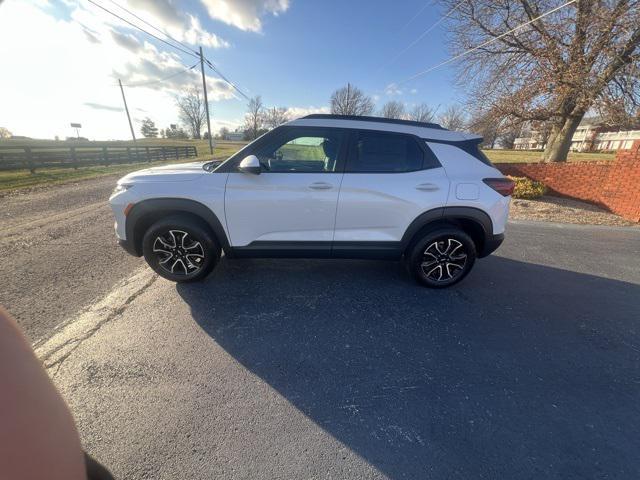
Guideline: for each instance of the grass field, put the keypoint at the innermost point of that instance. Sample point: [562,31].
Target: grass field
[14,179]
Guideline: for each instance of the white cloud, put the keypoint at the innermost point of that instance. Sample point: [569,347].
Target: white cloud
[74,75]
[171,18]
[244,14]
[297,112]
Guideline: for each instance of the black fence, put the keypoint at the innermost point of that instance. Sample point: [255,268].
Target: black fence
[31,158]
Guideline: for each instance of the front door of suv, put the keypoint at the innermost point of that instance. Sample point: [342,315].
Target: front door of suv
[291,204]
[390,179]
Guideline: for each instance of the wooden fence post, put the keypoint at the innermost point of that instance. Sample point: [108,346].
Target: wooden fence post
[105,156]
[146,151]
[74,158]
[177,153]
[129,154]
[164,153]
[30,165]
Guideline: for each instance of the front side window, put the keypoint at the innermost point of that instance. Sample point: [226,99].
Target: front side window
[377,152]
[306,152]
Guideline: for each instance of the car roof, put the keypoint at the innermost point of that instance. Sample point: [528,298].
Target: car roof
[428,131]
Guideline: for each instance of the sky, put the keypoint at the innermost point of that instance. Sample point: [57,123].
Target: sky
[62,59]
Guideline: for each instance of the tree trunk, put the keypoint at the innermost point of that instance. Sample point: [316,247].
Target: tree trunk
[559,141]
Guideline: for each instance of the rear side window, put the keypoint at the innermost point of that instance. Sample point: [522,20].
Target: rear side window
[376,152]
[472,147]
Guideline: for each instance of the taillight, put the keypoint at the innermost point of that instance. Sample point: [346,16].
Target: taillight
[503,186]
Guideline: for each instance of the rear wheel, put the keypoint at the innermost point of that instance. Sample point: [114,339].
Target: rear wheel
[442,257]
[180,249]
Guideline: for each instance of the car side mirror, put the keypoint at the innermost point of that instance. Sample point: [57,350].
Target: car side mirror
[250,164]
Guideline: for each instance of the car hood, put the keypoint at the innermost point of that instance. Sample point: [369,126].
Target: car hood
[182,172]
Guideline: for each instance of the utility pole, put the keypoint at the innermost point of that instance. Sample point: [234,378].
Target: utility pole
[126,109]
[206,101]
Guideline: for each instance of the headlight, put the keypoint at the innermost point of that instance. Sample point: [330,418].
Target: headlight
[121,187]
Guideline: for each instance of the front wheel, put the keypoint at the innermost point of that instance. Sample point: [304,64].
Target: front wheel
[442,257]
[180,249]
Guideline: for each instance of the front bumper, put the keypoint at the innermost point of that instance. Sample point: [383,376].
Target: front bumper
[491,244]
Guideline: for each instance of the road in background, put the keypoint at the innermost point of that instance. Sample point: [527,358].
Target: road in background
[348,369]
[58,252]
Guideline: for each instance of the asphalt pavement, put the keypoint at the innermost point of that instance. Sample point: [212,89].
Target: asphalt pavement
[530,368]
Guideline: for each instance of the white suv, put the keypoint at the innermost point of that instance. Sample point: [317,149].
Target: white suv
[323,186]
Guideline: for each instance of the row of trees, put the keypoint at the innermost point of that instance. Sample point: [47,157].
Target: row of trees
[260,119]
[350,100]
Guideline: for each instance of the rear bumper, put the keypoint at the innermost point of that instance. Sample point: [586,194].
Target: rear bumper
[129,247]
[491,244]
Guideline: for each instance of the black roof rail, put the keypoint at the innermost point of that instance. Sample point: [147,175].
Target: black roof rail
[329,116]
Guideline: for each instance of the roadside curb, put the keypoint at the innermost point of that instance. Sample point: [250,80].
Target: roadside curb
[53,351]
[576,226]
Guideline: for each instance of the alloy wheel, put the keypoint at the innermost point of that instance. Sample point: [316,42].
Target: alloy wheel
[178,252]
[443,260]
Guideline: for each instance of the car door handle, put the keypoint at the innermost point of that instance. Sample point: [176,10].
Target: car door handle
[428,187]
[320,186]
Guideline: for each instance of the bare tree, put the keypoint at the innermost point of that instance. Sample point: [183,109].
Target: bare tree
[351,100]
[254,118]
[275,116]
[486,126]
[583,56]
[453,118]
[507,137]
[5,133]
[422,113]
[393,109]
[191,111]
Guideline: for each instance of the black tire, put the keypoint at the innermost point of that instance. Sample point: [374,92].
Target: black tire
[441,257]
[180,248]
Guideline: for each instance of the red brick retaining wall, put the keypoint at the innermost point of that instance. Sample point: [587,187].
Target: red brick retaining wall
[614,185]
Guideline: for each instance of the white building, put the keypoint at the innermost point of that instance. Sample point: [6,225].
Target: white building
[589,136]
[234,136]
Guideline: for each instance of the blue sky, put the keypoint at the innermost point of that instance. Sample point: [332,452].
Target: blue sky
[292,52]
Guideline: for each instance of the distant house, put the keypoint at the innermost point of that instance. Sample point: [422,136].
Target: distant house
[234,136]
[591,135]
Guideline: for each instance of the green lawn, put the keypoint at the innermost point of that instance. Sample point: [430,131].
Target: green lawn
[525,156]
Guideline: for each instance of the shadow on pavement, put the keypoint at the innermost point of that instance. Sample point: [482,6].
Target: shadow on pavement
[522,371]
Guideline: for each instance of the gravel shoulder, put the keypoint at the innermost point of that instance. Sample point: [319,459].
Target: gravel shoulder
[564,210]
[58,252]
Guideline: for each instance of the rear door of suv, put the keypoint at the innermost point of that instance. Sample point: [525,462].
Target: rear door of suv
[390,179]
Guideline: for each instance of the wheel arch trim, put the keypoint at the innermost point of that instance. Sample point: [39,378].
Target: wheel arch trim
[172,205]
[447,213]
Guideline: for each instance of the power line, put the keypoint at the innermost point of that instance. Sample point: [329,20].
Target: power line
[415,16]
[484,44]
[422,35]
[215,69]
[188,52]
[152,26]
[181,72]
[142,30]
